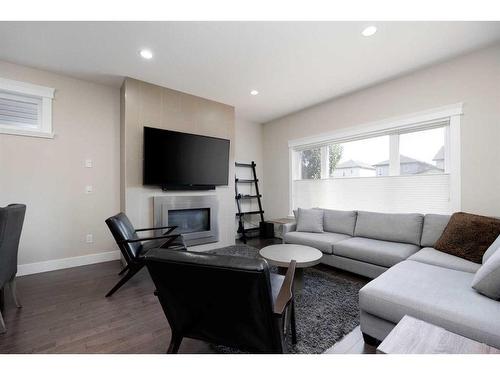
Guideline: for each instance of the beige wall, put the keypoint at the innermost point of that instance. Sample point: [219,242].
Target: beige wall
[473,79]
[145,104]
[249,146]
[49,175]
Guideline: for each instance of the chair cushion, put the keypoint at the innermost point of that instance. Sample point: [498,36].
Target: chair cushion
[487,278]
[405,228]
[436,295]
[381,253]
[429,255]
[321,241]
[310,220]
[337,221]
[434,226]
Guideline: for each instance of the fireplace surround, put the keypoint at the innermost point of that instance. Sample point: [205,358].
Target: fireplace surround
[195,216]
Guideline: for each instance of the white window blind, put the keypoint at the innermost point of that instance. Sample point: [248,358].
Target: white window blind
[25,109]
[392,194]
[20,111]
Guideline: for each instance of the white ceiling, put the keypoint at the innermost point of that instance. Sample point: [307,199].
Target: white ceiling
[293,64]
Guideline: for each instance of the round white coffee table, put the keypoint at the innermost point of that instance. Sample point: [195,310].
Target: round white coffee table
[282,255]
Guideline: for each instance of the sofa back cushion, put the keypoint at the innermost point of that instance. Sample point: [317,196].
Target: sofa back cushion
[487,278]
[406,228]
[434,226]
[339,221]
[310,220]
[492,249]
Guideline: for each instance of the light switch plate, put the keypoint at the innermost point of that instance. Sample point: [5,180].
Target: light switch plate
[89,189]
[88,163]
[89,238]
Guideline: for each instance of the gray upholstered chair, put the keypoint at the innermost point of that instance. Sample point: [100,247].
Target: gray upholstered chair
[11,224]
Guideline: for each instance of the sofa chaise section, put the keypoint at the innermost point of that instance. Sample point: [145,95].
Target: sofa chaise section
[434,257]
[441,296]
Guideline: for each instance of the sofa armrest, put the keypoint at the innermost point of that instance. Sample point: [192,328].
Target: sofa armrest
[288,227]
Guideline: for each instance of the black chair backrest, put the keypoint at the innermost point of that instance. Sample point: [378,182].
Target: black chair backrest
[122,229]
[11,225]
[221,299]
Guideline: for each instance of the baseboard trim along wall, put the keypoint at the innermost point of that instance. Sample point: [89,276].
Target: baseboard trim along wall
[59,264]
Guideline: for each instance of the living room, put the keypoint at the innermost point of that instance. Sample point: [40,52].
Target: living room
[229,187]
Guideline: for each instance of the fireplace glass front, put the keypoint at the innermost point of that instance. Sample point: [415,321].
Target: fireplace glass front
[190,220]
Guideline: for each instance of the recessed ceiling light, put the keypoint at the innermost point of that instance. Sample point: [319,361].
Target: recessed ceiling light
[146,54]
[369,31]
[254,92]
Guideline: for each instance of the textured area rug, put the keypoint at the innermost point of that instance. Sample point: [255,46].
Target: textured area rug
[326,310]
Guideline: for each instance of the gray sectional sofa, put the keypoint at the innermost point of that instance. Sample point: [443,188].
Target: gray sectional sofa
[420,281]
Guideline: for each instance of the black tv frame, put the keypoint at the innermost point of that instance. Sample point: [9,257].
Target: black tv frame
[186,187]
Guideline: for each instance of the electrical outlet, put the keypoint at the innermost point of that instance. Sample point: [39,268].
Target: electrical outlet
[88,163]
[89,238]
[89,189]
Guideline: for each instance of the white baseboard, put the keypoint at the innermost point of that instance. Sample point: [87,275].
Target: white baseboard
[59,264]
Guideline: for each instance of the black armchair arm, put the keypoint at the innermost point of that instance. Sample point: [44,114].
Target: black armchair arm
[170,227]
[167,236]
[285,294]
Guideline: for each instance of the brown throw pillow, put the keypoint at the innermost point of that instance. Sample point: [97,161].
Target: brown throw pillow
[468,236]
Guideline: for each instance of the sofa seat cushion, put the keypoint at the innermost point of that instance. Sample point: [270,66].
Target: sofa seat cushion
[435,257]
[437,295]
[321,241]
[381,253]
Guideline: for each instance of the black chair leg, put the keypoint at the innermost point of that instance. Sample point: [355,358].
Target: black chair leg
[123,270]
[175,344]
[124,279]
[292,323]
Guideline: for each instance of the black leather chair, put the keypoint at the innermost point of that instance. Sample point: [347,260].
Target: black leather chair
[133,248]
[11,225]
[226,300]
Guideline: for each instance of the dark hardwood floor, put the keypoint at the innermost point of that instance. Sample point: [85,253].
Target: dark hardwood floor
[65,312]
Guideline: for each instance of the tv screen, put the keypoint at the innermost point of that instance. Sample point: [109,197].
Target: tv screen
[174,159]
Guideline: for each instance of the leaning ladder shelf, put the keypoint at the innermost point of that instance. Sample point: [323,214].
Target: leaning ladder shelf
[240,197]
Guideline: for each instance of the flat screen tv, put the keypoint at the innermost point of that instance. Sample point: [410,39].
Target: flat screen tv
[182,161]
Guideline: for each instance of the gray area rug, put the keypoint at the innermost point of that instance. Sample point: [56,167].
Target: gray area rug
[326,310]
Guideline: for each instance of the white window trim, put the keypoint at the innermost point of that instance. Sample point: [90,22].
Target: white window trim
[46,94]
[411,122]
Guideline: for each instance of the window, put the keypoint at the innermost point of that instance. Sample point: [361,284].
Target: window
[357,158]
[422,152]
[406,165]
[25,109]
